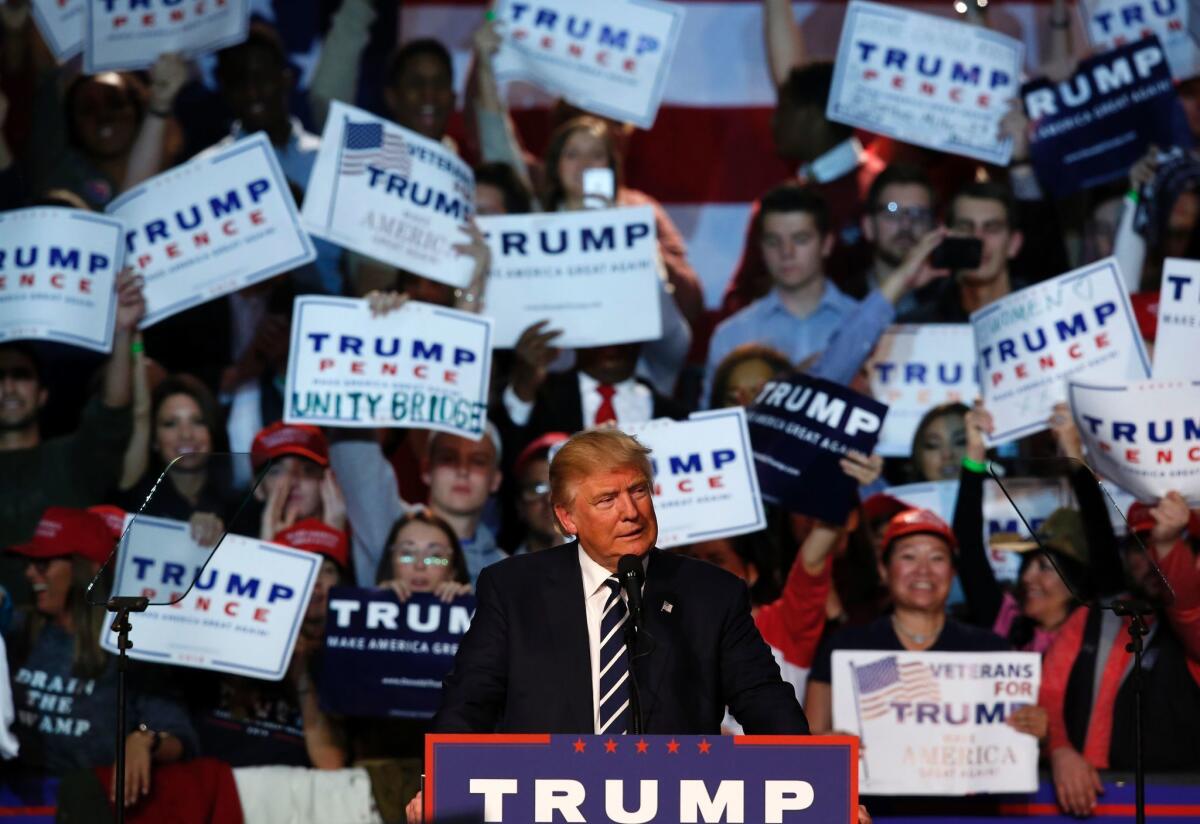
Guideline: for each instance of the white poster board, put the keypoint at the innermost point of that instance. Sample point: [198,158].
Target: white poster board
[58,272]
[131,34]
[61,25]
[243,614]
[593,274]
[1177,341]
[1144,437]
[705,486]
[421,366]
[1078,325]
[1111,23]
[916,367]
[216,224]
[933,723]
[611,58]
[926,80]
[389,193]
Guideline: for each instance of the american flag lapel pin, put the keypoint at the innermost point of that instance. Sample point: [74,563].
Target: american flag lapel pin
[667,606]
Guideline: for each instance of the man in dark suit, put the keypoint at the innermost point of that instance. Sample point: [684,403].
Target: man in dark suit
[546,651]
[544,613]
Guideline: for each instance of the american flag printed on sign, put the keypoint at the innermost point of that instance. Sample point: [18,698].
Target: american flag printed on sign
[370,144]
[884,681]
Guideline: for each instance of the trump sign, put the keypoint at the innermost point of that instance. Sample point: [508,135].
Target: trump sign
[630,779]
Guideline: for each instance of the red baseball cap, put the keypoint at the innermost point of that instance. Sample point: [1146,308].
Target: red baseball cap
[281,439]
[917,522]
[314,535]
[539,448]
[114,518]
[63,532]
[882,505]
[1139,517]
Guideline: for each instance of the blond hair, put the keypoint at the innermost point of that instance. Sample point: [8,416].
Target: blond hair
[596,450]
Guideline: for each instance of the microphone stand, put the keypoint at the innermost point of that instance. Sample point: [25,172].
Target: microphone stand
[122,606]
[632,634]
[1136,611]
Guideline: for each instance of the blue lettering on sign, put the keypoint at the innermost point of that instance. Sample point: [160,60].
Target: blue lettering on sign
[57,257]
[585,239]
[926,712]
[1035,340]
[178,575]
[1160,431]
[385,348]
[191,216]
[995,527]
[578,28]
[920,374]
[695,462]
[931,66]
[418,194]
[1131,15]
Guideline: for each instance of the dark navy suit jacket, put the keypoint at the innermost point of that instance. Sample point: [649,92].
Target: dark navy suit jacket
[524,664]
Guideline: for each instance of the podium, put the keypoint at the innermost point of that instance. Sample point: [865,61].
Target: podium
[630,779]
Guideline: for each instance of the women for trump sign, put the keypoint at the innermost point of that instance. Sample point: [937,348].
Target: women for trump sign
[422,366]
[1078,325]
[934,723]
[384,191]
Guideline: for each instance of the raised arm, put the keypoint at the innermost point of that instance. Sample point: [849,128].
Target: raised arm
[785,43]
[498,142]
[147,157]
[983,593]
[336,75]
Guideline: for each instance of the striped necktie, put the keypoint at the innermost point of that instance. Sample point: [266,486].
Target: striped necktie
[614,664]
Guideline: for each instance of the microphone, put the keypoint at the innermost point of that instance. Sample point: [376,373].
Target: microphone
[631,576]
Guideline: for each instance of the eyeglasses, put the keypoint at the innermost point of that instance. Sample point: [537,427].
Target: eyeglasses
[534,492]
[915,215]
[433,555]
[16,373]
[428,560]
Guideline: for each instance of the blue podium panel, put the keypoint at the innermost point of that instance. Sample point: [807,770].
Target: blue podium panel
[631,779]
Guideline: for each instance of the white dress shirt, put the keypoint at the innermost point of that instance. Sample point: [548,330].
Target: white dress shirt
[633,402]
[595,596]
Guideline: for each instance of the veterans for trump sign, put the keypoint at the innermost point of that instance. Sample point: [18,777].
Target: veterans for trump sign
[925,80]
[61,25]
[384,658]
[384,191]
[593,274]
[241,616]
[221,222]
[1144,437]
[800,427]
[933,723]
[915,368]
[58,271]
[131,34]
[422,366]
[1091,127]
[1113,23]
[1078,325]
[611,58]
[1178,338]
[705,486]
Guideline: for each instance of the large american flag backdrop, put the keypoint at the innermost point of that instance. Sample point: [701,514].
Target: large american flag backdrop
[709,153]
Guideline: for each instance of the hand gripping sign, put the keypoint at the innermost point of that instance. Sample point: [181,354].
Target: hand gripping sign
[925,80]
[422,366]
[221,222]
[389,193]
[58,270]
[611,58]
[1078,325]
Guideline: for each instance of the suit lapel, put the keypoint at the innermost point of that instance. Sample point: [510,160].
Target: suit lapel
[658,622]
[566,620]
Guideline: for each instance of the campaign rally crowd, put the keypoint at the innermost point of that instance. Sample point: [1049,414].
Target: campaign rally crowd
[833,258]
